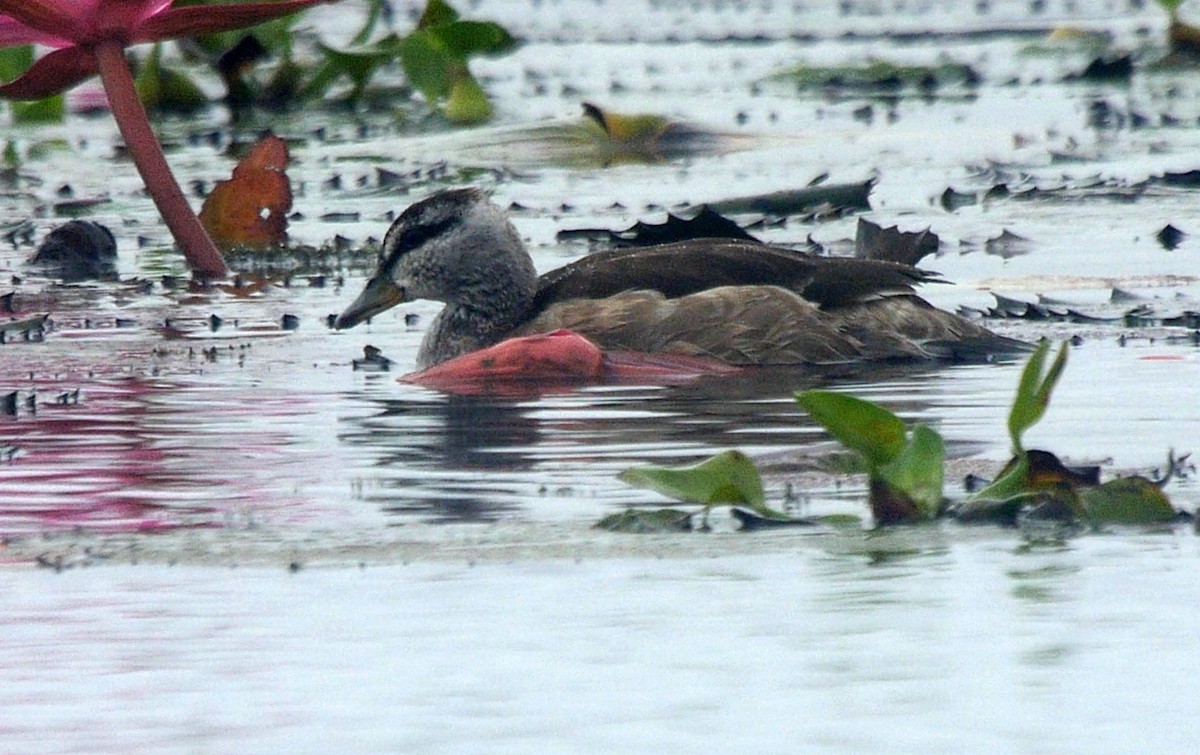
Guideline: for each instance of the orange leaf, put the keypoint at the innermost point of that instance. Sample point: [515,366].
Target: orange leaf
[250,209]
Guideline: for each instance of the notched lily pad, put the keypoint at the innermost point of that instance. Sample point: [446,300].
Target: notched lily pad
[871,241]
[707,224]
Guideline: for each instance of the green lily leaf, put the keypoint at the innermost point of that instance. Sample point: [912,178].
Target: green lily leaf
[727,478]
[919,471]
[1033,391]
[436,13]
[1013,481]
[378,9]
[467,38]
[860,425]
[1127,500]
[427,64]
[359,65]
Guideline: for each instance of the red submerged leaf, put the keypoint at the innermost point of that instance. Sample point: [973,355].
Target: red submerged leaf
[662,368]
[561,356]
[557,361]
[250,209]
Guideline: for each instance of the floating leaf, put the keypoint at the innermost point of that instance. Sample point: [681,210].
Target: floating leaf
[906,473]
[1127,500]
[707,224]
[436,12]
[647,521]
[1033,391]
[860,425]
[871,241]
[250,210]
[727,478]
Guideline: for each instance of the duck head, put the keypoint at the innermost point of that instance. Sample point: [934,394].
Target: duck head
[455,247]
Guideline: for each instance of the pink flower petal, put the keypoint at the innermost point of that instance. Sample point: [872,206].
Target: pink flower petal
[197,20]
[57,17]
[13,32]
[52,73]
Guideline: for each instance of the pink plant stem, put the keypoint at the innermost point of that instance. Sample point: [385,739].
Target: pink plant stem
[201,253]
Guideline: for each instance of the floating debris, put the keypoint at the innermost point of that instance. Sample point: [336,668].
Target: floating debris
[1170,237]
[373,361]
[854,196]
[1008,245]
[30,329]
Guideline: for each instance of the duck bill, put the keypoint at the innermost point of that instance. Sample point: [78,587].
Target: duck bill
[380,295]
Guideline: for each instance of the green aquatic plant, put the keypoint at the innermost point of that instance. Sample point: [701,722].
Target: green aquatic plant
[905,470]
[727,479]
[434,56]
[1038,478]
[1029,406]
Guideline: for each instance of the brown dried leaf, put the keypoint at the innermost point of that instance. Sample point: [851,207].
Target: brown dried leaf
[249,211]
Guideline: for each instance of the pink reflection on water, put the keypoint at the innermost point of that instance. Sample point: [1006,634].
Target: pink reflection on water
[142,455]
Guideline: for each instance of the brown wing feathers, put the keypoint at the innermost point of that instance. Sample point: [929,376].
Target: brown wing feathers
[688,267]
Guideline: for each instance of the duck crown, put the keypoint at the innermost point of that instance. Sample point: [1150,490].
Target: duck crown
[460,248]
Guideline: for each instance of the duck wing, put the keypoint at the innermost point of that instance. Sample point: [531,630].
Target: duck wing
[696,265]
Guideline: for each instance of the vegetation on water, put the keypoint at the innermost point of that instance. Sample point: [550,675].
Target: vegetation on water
[906,469]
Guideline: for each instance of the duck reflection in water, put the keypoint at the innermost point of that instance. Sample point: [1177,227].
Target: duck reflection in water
[450,458]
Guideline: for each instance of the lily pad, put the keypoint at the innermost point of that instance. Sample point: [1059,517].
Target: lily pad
[729,477]
[647,521]
[1127,500]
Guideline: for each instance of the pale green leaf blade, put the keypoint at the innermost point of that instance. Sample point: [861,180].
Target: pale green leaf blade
[467,103]
[1033,391]
[860,425]
[729,477]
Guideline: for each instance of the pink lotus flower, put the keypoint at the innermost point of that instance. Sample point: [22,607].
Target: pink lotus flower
[90,37]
